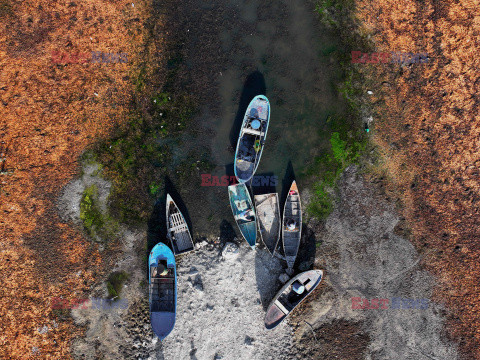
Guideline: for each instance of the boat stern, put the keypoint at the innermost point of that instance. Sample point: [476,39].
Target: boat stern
[162,323]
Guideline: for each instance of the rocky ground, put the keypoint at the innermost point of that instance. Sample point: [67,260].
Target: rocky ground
[224,289]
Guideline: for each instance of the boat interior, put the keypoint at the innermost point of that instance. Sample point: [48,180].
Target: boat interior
[245,214]
[162,288]
[269,223]
[178,231]
[292,214]
[289,299]
[251,140]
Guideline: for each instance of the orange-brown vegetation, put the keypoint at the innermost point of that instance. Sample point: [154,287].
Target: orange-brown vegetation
[49,114]
[427,129]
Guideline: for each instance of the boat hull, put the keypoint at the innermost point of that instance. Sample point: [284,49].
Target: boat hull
[287,300]
[267,210]
[162,290]
[292,211]
[241,203]
[251,141]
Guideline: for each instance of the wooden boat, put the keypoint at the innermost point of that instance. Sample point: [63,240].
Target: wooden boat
[243,212]
[292,225]
[177,229]
[289,296]
[252,138]
[269,222]
[162,284]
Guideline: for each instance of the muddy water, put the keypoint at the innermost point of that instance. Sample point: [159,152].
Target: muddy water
[232,52]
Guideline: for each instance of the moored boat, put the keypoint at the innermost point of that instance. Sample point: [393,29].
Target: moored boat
[292,225]
[162,281]
[267,210]
[177,229]
[243,212]
[252,138]
[290,296]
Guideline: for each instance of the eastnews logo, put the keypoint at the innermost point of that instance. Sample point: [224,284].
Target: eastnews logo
[94,303]
[359,57]
[83,58]
[257,180]
[397,303]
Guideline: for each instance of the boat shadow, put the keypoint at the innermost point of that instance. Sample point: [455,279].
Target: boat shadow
[156,227]
[307,250]
[254,85]
[264,183]
[286,183]
[227,233]
[229,171]
[267,270]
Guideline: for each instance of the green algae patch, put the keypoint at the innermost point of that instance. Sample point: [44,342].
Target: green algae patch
[115,283]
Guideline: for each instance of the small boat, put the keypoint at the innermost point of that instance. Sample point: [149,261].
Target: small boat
[243,212]
[292,225]
[162,283]
[289,296]
[268,213]
[177,229]
[252,138]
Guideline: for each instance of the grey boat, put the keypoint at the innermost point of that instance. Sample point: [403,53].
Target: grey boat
[292,225]
[290,296]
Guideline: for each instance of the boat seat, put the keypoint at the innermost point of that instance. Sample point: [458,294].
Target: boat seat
[163,280]
[178,227]
[253,132]
[281,307]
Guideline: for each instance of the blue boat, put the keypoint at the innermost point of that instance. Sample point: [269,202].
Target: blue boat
[252,138]
[243,212]
[162,280]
